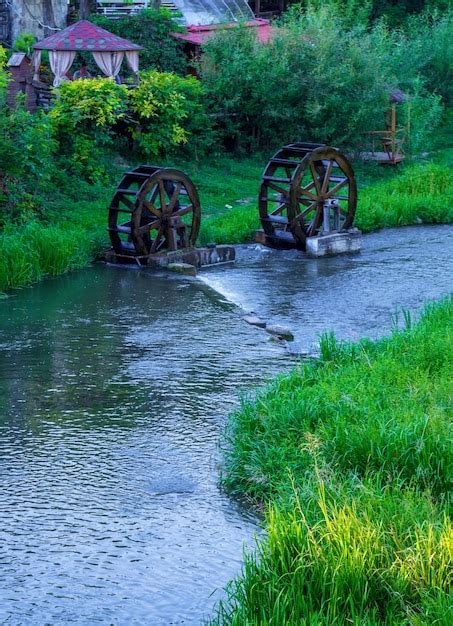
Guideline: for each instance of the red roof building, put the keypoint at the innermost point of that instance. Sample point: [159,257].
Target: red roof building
[198,35]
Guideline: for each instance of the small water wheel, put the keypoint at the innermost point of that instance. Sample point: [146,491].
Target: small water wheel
[306,189]
[163,211]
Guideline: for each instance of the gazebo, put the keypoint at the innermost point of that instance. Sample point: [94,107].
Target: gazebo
[108,50]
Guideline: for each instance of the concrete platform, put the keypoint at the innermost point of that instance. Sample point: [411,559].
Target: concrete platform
[198,257]
[345,242]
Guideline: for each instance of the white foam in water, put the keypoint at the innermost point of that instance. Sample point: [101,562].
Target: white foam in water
[219,287]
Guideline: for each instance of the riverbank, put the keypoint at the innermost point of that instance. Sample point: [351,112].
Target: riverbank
[74,232]
[351,458]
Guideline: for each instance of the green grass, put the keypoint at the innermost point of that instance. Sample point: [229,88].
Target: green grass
[75,232]
[352,458]
[414,194]
[75,235]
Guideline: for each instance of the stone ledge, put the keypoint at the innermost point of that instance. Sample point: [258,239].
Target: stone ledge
[346,242]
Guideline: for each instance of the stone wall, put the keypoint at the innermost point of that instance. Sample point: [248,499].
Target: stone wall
[37,17]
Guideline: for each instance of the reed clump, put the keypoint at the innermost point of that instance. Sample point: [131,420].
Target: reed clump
[352,458]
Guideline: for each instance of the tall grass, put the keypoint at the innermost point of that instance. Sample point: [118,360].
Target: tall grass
[38,249]
[352,458]
[420,193]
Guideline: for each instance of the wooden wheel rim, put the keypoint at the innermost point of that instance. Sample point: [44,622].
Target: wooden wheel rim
[306,222]
[276,182]
[158,184]
[163,207]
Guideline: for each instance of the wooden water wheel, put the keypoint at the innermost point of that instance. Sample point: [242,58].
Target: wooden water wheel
[163,212]
[306,189]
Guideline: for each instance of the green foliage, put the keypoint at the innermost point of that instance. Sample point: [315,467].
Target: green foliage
[169,110]
[89,105]
[4,78]
[319,79]
[150,29]
[24,43]
[395,12]
[429,38]
[83,117]
[353,455]
[27,162]
[68,236]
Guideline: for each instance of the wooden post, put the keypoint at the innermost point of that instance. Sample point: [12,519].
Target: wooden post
[257,7]
[393,131]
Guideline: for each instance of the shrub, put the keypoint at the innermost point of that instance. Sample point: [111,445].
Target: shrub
[317,80]
[151,29]
[27,162]
[84,115]
[4,77]
[24,43]
[90,106]
[170,112]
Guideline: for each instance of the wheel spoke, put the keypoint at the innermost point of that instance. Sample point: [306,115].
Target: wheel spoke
[152,209]
[304,192]
[183,210]
[325,182]
[156,241]
[174,197]
[278,189]
[314,173]
[145,228]
[308,209]
[337,187]
[278,210]
[163,201]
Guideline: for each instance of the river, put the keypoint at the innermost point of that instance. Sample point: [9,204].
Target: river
[115,386]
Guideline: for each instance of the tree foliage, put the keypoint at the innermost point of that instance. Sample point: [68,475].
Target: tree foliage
[321,79]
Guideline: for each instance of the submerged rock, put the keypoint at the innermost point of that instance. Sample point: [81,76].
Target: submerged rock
[280,331]
[254,320]
[182,268]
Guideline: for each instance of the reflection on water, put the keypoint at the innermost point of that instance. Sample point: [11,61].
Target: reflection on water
[114,389]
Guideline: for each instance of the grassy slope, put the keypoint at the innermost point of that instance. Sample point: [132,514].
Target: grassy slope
[228,189]
[353,457]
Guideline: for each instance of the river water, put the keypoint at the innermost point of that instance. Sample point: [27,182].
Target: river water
[114,387]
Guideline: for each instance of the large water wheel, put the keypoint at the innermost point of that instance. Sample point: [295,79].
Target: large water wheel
[162,208]
[306,189]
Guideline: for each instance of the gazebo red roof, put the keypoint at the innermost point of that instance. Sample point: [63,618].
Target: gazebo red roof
[84,35]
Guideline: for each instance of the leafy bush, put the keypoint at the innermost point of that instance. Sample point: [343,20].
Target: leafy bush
[150,29]
[84,115]
[27,162]
[89,105]
[429,37]
[4,78]
[170,112]
[24,43]
[317,80]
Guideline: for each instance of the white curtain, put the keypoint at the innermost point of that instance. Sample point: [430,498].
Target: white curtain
[60,62]
[132,60]
[109,62]
[36,60]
